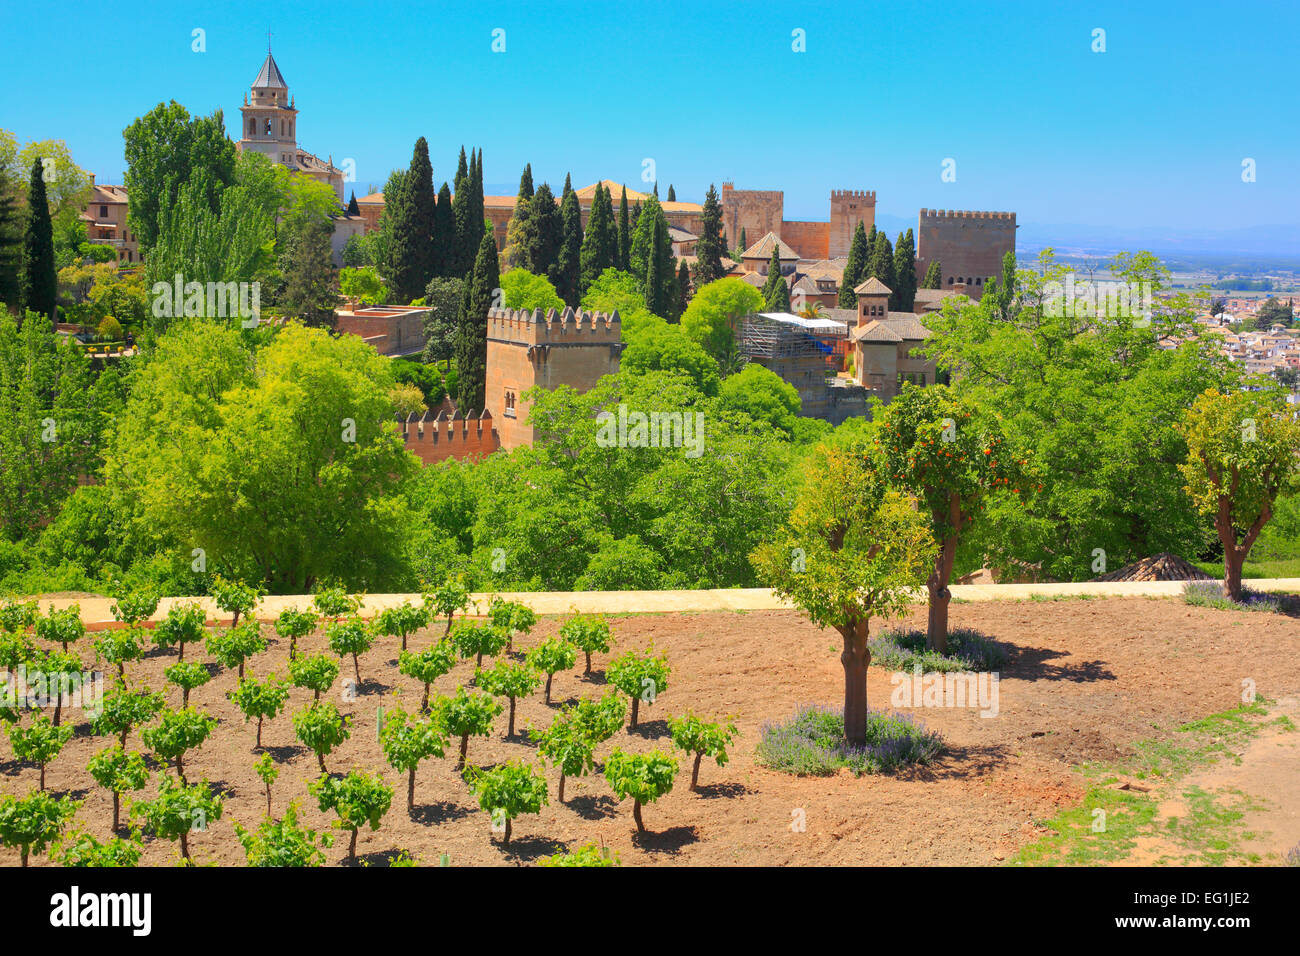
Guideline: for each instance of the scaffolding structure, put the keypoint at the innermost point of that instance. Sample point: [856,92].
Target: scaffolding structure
[775,335]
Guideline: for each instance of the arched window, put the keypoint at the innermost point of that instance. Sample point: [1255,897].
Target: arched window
[268,127]
[252,127]
[979,281]
[950,280]
[282,127]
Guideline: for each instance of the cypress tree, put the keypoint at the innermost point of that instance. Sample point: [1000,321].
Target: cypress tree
[466,247]
[933,275]
[471,327]
[353,208]
[853,269]
[40,276]
[444,234]
[683,289]
[624,254]
[480,216]
[569,261]
[672,194]
[651,244]
[744,242]
[600,245]
[712,244]
[520,221]
[11,250]
[412,236]
[776,294]
[881,263]
[905,272]
[543,247]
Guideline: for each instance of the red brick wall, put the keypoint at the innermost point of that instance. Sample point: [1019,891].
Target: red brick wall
[809,239]
[461,438]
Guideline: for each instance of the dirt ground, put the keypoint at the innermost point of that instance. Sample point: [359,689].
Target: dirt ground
[1085,680]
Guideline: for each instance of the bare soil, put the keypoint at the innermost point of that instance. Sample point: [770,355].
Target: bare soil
[1086,679]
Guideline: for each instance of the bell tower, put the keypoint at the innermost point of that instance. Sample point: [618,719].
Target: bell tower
[268,120]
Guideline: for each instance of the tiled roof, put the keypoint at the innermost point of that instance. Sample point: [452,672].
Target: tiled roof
[907,325]
[873,286]
[763,249]
[875,331]
[270,76]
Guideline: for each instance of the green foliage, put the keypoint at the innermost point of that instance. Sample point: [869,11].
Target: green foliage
[33,822]
[402,621]
[645,777]
[335,601]
[711,318]
[357,799]
[697,736]
[266,769]
[362,284]
[317,673]
[283,842]
[81,849]
[599,252]
[764,396]
[235,597]
[182,625]
[429,664]
[231,648]
[118,770]
[134,606]
[187,676]
[406,740]
[508,790]
[643,677]
[123,710]
[589,633]
[589,854]
[61,627]
[466,715]
[177,733]
[39,743]
[447,599]
[524,290]
[350,636]
[16,616]
[477,640]
[657,345]
[179,810]
[513,617]
[471,327]
[293,624]
[553,654]
[260,700]
[321,728]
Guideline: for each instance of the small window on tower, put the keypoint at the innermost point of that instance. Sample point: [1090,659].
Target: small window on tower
[268,127]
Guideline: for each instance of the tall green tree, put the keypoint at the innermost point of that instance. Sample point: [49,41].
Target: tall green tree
[444,234]
[683,287]
[904,297]
[854,268]
[466,243]
[164,149]
[40,276]
[11,247]
[672,194]
[520,225]
[568,262]
[547,233]
[600,243]
[880,264]
[471,327]
[933,275]
[624,248]
[711,246]
[651,258]
[411,249]
[776,293]
[309,293]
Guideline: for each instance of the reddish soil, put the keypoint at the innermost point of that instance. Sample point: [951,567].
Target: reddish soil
[1086,679]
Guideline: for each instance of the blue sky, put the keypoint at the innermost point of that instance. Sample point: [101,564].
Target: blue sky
[1151,133]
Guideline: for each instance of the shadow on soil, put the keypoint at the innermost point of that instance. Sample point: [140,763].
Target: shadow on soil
[712,791]
[668,841]
[1035,663]
[442,811]
[529,849]
[593,808]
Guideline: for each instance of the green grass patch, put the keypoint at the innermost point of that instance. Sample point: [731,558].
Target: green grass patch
[1279,568]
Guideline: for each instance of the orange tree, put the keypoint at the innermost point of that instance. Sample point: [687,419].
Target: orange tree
[951,455]
[1243,451]
[851,549]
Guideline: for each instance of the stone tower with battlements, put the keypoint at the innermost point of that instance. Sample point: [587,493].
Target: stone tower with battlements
[548,349]
[968,245]
[848,208]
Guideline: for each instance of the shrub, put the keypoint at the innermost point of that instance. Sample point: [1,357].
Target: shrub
[476,640]
[80,849]
[510,681]
[182,625]
[293,624]
[316,674]
[644,777]
[589,854]
[466,715]
[122,711]
[334,601]
[135,606]
[118,771]
[40,743]
[350,636]
[33,822]
[589,633]
[321,728]
[512,618]
[61,627]
[179,810]
[968,650]
[263,701]
[266,771]
[402,621]
[177,733]
[283,842]
[508,790]
[427,666]
[702,739]
[187,676]
[812,743]
[1210,594]
[119,647]
[553,654]
[357,799]
[235,598]
[109,330]
[406,741]
[233,647]
[447,600]
[640,676]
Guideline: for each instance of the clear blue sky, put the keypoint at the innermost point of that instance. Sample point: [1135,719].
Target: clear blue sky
[1150,133]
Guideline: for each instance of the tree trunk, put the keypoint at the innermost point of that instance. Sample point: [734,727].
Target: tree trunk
[320,759]
[561,786]
[259,733]
[588,670]
[695,772]
[117,805]
[548,687]
[424,701]
[185,697]
[24,855]
[478,661]
[185,846]
[464,749]
[356,669]
[936,636]
[352,846]
[241,668]
[636,706]
[510,730]
[58,705]
[268,799]
[410,791]
[293,647]
[180,770]
[1233,559]
[448,631]
[42,776]
[636,815]
[182,651]
[507,833]
[855,659]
